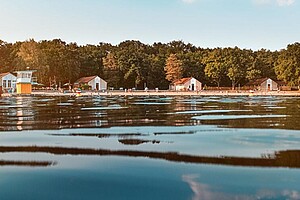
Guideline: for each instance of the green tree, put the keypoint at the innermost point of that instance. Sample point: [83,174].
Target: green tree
[111,70]
[193,66]
[134,64]
[215,66]
[237,62]
[287,66]
[7,56]
[262,65]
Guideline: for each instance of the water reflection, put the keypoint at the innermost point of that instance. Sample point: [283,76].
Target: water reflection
[27,163]
[27,113]
[109,144]
[289,158]
[206,192]
[137,141]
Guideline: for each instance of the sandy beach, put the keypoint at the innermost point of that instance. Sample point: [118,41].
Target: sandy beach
[164,93]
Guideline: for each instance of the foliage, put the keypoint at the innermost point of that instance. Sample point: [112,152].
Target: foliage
[173,68]
[134,64]
[287,66]
[215,66]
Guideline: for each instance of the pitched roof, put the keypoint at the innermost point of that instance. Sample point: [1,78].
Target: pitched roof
[85,79]
[4,74]
[261,80]
[257,81]
[182,81]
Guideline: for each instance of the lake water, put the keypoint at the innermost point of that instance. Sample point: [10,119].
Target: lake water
[150,148]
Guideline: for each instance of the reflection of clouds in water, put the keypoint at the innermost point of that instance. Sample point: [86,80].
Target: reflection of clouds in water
[201,191]
[293,195]
[286,194]
[205,192]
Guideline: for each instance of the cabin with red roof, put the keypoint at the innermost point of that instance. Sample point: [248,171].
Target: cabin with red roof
[186,84]
[93,83]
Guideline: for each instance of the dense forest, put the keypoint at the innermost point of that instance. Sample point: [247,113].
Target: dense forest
[134,64]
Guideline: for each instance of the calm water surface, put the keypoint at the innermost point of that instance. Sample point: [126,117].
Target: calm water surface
[150,148]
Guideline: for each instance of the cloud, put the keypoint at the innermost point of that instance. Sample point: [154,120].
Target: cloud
[274,2]
[262,2]
[189,1]
[285,2]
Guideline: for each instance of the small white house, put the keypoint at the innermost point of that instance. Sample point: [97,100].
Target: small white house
[186,84]
[94,83]
[263,84]
[8,81]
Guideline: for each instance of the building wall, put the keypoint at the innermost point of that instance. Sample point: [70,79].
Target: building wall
[24,88]
[188,86]
[101,82]
[5,80]
[93,83]
[269,84]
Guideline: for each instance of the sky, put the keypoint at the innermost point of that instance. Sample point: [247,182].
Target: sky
[250,24]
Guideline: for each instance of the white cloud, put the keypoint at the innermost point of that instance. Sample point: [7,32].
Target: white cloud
[262,2]
[285,2]
[277,2]
[189,1]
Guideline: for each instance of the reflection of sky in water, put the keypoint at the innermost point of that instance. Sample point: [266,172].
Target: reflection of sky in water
[141,178]
[209,192]
[195,140]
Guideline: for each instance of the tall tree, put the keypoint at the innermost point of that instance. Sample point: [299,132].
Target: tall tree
[173,68]
[215,66]
[262,65]
[134,63]
[237,62]
[29,54]
[193,65]
[7,57]
[287,66]
[111,70]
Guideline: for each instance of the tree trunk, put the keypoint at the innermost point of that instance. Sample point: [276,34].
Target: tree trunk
[233,85]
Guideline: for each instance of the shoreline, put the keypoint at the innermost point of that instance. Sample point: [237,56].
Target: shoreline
[161,93]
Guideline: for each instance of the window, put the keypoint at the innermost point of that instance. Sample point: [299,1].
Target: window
[4,83]
[8,83]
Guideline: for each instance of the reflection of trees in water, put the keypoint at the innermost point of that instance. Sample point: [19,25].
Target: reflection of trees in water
[26,163]
[27,113]
[289,158]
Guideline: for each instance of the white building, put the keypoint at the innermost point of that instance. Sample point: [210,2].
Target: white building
[263,84]
[8,81]
[93,83]
[186,84]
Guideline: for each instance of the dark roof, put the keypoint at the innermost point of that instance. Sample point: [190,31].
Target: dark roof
[4,74]
[257,81]
[282,83]
[85,79]
[261,80]
[182,81]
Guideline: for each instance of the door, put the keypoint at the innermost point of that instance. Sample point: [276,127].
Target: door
[193,87]
[97,86]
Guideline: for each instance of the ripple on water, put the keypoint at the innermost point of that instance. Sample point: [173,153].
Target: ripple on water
[210,111]
[226,117]
[113,107]
[151,103]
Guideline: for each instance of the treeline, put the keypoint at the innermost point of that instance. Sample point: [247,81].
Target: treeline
[134,64]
